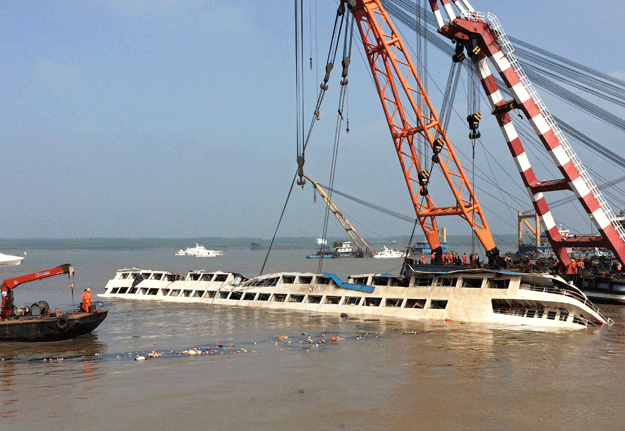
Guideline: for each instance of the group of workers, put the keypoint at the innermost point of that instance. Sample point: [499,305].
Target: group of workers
[452,258]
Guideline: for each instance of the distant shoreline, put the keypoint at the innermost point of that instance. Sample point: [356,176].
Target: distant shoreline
[460,241]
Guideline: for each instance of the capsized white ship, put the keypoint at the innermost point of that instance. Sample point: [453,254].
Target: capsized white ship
[10,260]
[198,251]
[467,295]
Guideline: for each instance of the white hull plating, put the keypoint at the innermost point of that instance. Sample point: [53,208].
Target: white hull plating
[502,298]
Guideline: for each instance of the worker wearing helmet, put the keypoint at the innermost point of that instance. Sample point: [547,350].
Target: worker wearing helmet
[86,300]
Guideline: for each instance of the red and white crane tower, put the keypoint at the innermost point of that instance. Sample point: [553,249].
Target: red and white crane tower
[485,42]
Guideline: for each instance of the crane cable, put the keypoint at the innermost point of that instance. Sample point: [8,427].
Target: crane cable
[303,143]
[347,48]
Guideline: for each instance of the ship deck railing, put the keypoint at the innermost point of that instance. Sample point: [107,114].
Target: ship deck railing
[573,293]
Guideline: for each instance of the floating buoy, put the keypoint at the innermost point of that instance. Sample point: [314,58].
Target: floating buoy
[447,319]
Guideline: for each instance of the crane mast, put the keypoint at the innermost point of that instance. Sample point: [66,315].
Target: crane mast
[409,112]
[353,234]
[485,42]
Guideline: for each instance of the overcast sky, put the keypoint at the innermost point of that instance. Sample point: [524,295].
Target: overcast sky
[159,118]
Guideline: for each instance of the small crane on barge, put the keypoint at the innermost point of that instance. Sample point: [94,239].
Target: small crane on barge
[39,323]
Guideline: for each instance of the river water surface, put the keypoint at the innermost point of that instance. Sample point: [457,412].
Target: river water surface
[380,375]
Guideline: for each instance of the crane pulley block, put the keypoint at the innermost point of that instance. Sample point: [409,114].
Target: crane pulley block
[474,123]
[424,179]
[473,47]
[459,55]
[436,148]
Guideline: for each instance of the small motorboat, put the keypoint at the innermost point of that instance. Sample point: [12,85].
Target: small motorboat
[38,322]
[10,260]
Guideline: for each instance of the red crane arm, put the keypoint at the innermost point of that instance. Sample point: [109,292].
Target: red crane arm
[12,283]
[7,286]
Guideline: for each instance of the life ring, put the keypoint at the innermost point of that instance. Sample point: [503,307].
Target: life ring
[62,322]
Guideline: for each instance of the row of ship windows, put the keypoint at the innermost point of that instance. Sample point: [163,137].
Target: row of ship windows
[439,304]
[467,282]
[519,309]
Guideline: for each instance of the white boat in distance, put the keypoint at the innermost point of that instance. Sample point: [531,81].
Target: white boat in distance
[501,298]
[389,253]
[10,260]
[198,251]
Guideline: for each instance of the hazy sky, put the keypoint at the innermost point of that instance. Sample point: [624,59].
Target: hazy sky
[134,118]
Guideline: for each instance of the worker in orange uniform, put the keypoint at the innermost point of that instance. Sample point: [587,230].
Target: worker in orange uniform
[422,258]
[580,266]
[464,258]
[86,300]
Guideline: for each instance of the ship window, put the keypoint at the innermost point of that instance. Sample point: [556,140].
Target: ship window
[164,292]
[305,279]
[175,292]
[236,296]
[540,313]
[288,279]
[551,315]
[578,321]
[379,281]
[324,280]
[223,295]
[498,283]
[114,290]
[210,294]
[197,294]
[193,276]
[599,286]
[123,290]
[124,276]
[314,299]
[352,300]
[564,315]
[447,281]
[373,302]
[263,296]
[145,275]
[415,303]
[332,300]
[206,277]
[186,293]
[249,296]
[438,304]
[402,282]
[279,297]
[221,277]
[132,291]
[530,313]
[153,291]
[360,280]
[171,277]
[143,291]
[423,281]
[296,298]
[393,302]
[474,283]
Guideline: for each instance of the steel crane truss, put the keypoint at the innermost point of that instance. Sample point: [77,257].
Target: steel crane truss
[486,44]
[404,98]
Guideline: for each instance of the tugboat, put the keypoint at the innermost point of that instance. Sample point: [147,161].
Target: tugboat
[38,322]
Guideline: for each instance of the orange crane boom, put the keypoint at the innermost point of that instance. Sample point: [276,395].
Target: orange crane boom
[403,98]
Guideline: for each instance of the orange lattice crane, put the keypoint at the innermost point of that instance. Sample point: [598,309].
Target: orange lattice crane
[409,112]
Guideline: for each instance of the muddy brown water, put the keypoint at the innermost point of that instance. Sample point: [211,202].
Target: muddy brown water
[380,375]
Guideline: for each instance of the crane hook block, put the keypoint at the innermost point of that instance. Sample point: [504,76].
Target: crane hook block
[474,120]
[300,170]
[326,78]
